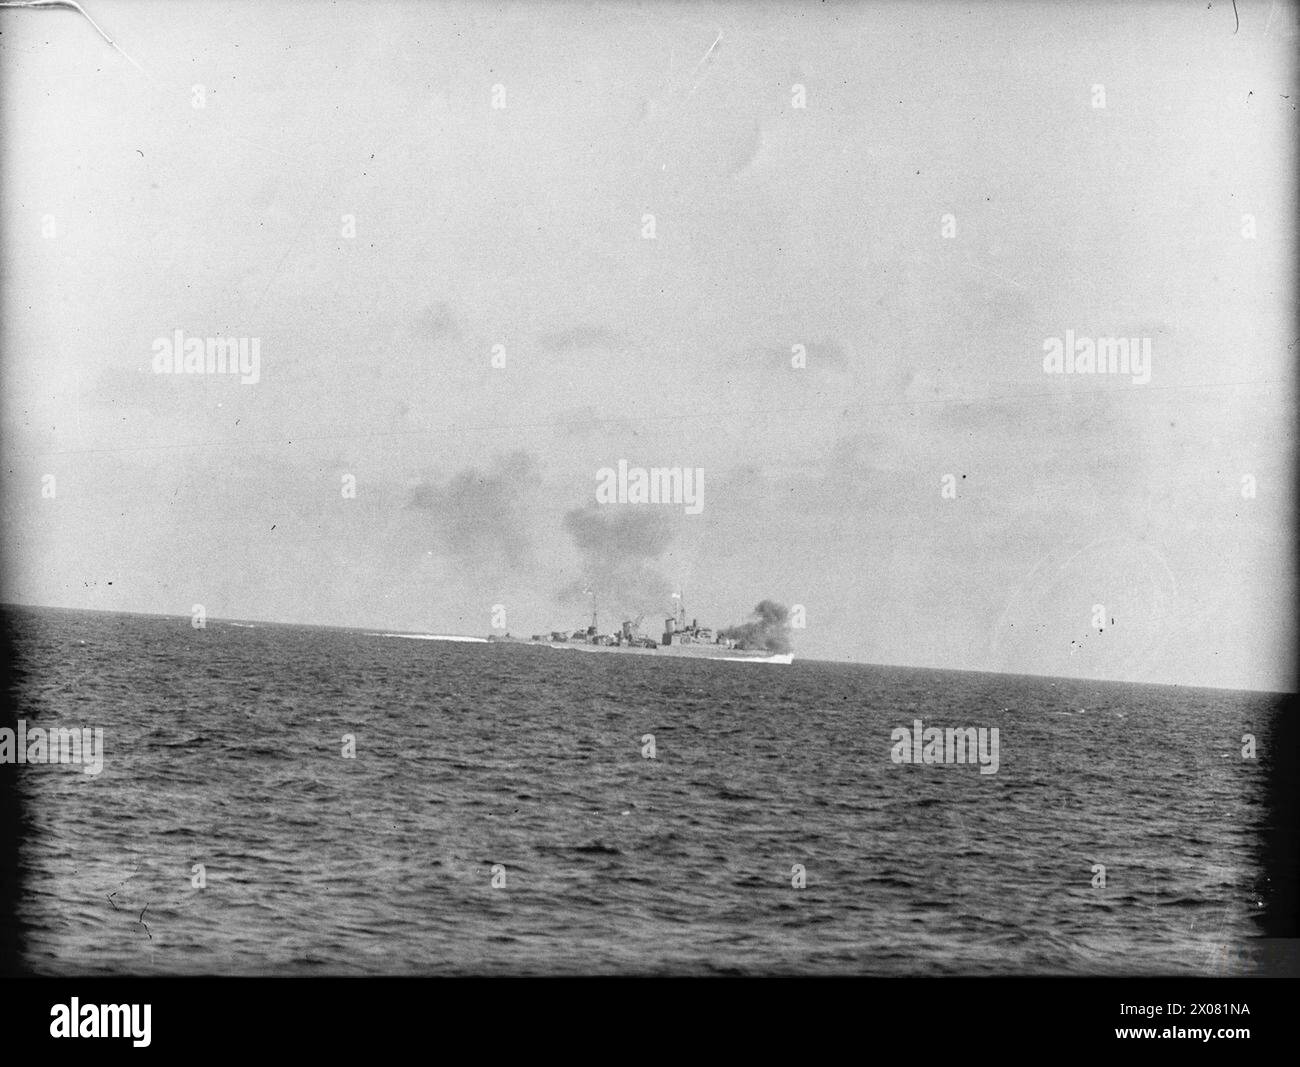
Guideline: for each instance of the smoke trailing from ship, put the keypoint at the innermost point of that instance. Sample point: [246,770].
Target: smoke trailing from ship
[768,630]
[620,548]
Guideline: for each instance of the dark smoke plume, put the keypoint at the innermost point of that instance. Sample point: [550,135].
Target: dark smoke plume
[481,516]
[619,547]
[769,630]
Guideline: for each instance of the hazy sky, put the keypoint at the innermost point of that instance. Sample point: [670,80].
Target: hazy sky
[130,212]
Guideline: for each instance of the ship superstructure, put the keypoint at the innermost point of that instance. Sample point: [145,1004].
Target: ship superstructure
[678,639]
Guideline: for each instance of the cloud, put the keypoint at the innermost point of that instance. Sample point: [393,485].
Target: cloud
[437,322]
[586,420]
[578,338]
[820,355]
[483,516]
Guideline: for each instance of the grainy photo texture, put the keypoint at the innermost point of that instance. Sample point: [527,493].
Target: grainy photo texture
[624,488]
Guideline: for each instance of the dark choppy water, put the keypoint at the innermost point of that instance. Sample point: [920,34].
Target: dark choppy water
[224,749]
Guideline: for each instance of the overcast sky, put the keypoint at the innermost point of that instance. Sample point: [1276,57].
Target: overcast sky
[523,226]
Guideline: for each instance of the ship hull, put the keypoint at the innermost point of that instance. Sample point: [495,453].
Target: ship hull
[701,651]
[686,651]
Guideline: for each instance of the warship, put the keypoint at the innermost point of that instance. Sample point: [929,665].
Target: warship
[677,639]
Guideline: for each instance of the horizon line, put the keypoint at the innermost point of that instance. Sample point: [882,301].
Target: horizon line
[7,604]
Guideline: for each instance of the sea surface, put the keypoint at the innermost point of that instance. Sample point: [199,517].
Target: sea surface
[224,747]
